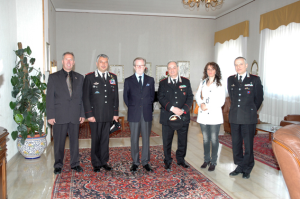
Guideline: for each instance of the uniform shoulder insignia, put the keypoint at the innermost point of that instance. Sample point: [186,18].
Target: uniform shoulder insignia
[184,77]
[163,79]
[113,73]
[253,75]
[231,75]
[89,73]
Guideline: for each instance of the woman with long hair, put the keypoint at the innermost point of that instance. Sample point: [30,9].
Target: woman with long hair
[210,97]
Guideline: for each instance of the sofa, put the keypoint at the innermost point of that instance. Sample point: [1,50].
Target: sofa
[290,119]
[225,110]
[286,147]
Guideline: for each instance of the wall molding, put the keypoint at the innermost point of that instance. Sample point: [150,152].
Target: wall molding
[133,13]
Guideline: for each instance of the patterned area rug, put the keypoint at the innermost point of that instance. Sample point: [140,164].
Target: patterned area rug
[121,183]
[262,148]
[85,132]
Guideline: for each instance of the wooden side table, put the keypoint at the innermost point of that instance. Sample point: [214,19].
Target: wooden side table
[122,122]
[3,176]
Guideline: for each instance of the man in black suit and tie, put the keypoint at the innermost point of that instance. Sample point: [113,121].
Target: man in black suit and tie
[246,95]
[101,105]
[139,96]
[65,111]
[176,97]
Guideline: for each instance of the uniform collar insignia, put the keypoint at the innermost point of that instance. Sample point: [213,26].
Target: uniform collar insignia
[170,79]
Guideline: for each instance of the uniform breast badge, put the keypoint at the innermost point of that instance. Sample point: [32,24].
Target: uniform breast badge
[112,81]
[248,92]
[96,83]
[232,85]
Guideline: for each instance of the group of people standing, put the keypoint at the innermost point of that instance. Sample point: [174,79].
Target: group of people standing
[71,98]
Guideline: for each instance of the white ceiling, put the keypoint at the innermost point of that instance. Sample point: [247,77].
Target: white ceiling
[146,7]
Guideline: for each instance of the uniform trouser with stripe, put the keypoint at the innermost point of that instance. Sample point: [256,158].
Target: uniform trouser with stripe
[168,134]
[243,133]
[100,142]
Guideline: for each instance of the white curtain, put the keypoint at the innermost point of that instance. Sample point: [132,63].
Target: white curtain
[225,55]
[279,60]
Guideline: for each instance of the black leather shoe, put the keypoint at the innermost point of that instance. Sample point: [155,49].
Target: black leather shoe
[234,173]
[57,170]
[211,167]
[183,165]
[97,169]
[133,168]
[168,167]
[77,168]
[106,167]
[246,175]
[204,165]
[148,168]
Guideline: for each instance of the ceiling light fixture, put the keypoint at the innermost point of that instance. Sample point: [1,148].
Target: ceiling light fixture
[208,3]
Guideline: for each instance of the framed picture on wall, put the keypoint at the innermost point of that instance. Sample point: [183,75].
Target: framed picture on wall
[119,71]
[161,72]
[148,70]
[184,68]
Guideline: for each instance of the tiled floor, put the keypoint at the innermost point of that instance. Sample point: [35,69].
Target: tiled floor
[34,178]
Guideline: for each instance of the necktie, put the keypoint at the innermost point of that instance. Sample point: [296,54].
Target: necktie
[240,80]
[174,81]
[140,83]
[103,76]
[69,84]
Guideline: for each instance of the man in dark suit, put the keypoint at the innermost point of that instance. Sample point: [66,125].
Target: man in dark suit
[176,97]
[65,111]
[246,94]
[101,105]
[139,96]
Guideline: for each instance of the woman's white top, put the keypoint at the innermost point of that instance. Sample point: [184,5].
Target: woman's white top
[214,99]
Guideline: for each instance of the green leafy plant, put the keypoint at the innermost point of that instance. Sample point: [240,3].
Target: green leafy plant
[30,105]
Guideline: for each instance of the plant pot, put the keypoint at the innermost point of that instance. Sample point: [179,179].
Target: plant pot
[33,147]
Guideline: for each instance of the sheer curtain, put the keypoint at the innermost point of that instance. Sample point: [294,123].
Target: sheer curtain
[279,60]
[226,53]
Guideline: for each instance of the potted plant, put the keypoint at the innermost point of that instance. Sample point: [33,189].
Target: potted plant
[30,105]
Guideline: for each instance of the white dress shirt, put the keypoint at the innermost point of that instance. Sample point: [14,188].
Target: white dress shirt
[101,74]
[243,76]
[138,77]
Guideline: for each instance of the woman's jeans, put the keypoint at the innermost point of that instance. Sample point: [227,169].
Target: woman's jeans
[210,134]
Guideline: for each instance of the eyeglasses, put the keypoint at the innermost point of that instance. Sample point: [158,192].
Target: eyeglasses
[139,66]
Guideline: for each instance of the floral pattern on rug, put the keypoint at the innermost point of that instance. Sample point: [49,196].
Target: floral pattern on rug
[85,132]
[121,183]
[262,149]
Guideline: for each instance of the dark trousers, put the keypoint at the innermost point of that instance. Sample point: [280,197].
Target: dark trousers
[240,133]
[137,128]
[100,141]
[167,134]
[59,135]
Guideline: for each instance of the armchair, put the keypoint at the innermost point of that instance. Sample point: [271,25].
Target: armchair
[286,147]
[290,119]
